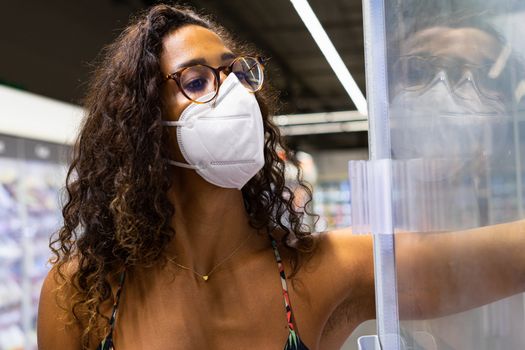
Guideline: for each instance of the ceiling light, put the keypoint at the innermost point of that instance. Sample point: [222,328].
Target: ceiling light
[332,56]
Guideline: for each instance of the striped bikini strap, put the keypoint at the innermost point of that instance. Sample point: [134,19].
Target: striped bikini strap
[289,313]
[116,302]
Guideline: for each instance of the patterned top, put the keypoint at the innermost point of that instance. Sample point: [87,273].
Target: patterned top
[292,343]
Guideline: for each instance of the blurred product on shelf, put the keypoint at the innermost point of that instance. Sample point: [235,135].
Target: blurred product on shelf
[30,183]
[331,194]
[332,204]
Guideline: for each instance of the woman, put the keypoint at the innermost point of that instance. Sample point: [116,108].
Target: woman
[200,269]
[190,239]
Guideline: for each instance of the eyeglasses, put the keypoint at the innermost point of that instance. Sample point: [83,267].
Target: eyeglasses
[200,83]
[417,72]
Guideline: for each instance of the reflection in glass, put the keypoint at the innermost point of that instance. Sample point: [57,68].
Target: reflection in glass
[455,87]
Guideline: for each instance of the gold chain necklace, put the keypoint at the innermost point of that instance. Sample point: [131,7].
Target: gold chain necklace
[207,276]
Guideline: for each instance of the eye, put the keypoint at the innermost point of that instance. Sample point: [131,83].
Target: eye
[249,72]
[417,72]
[195,85]
[241,75]
[197,81]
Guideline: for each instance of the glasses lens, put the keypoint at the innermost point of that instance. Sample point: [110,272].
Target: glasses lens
[249,72]
[199,82]
[416,72]
[491,86]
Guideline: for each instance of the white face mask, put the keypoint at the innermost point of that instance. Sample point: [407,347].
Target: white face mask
[223,140]
[437,122]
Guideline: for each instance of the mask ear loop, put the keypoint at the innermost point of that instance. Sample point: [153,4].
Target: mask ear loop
[184,165]
[173,162]
[181,123]
[173,122]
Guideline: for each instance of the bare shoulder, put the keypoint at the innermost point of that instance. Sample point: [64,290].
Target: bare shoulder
[53,315]
[57,327]
[348,261]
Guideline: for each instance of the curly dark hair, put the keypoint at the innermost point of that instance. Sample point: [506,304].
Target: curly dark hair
[117,212]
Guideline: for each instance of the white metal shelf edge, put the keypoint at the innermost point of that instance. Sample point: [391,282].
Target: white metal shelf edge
[28,115]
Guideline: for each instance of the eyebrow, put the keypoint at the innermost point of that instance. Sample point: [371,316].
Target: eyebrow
[201,60]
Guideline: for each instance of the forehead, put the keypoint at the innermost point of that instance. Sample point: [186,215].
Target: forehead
[471,44]
[190,42]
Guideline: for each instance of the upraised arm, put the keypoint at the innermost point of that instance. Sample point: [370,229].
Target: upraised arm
[445,273]
[437,273]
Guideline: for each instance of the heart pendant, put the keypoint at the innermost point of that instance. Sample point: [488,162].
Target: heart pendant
[205,278]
